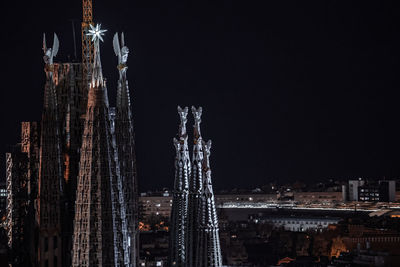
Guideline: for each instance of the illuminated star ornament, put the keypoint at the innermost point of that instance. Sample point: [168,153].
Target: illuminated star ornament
[96,32]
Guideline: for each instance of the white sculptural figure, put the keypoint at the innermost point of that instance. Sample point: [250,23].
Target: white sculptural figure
[122,52]
[182,115]
[49,54]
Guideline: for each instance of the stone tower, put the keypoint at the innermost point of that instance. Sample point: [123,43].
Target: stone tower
[18,222]
[195,185]
[50,170]
[208,251]
[126,147]
[100,228]
[194,235]
[179,212]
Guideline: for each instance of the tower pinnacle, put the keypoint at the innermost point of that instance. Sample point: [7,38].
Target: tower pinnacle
[96,33]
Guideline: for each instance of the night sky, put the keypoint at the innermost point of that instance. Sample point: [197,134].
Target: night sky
[290,91]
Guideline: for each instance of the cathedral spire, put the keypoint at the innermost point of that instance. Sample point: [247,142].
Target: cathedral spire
[49,54]
[97,75]
[122,52]
[181,143]
[197,158]
[126,147]
[179,212]
[197,120]
[50,170]
[195,185]
[100,228]
[182,135]
[208,243]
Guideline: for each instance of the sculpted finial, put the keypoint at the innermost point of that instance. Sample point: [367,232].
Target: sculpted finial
[50,53]
[207,147]
[183,117]
[197,120]
[206,167]
[207,153]
[122,39]
[122,52]
[96,33]
[177,145]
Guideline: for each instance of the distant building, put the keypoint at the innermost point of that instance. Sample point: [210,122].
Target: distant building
[360,190]
[353,189]
[156,205]
[298,224]
[383,191]
[387,190]
[243,198]
[153,249]
[318,197]
[160,203]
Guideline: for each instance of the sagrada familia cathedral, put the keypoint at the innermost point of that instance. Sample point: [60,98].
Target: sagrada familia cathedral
[72,195]
[194,238]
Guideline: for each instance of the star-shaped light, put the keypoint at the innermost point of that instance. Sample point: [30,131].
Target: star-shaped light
[96,32]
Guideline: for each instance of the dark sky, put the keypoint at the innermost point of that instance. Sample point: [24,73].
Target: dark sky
[290,91]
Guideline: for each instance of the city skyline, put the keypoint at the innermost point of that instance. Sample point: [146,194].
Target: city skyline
[291,91]
[300,102]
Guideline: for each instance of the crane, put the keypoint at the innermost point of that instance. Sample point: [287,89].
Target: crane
[87,44]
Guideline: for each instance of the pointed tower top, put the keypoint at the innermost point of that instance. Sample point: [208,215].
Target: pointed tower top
[197,120]
[96,33]
[122,39]
[207,153]
[182,127]
[51,52]
[121,51]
